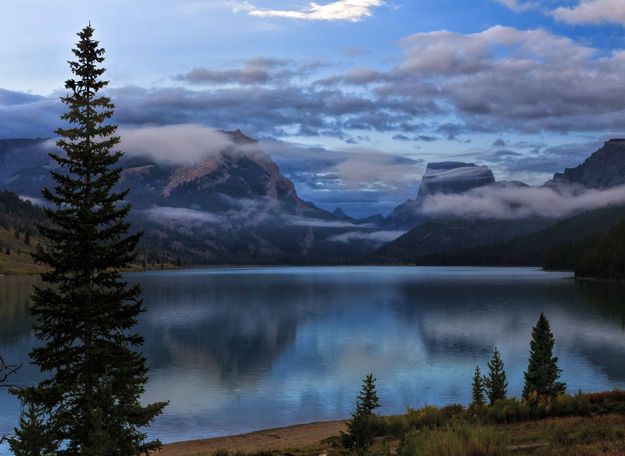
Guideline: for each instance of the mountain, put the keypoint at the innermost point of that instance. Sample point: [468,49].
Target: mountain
[340,213]
[376,219]
[524,240]
[453,177]
[429,242]
[603,169]
[231,207]
[439,178]
[553,247]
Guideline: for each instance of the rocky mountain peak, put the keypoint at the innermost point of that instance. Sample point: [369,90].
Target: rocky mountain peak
[603,169]
[238,137]
[340,213]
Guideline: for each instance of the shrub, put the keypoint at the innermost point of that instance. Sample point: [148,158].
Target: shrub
[452,410]
[426,417]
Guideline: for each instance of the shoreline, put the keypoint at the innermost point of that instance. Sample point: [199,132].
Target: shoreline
[272,439]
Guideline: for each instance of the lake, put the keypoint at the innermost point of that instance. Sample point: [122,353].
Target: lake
[236,350]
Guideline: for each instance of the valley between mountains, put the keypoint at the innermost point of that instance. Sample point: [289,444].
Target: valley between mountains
[236,207]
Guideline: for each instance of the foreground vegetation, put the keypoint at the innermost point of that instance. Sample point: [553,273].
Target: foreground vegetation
[569,436]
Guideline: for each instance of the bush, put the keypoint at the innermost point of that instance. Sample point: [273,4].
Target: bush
[426,417]
[395,426]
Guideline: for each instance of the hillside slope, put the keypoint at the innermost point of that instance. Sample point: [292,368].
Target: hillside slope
[554,247]
[17,234]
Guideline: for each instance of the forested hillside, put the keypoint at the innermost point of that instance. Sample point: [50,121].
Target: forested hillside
[555,247]
[605,259]
[18,219]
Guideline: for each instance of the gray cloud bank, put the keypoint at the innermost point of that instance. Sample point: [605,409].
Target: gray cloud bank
[513,202]
[445,85]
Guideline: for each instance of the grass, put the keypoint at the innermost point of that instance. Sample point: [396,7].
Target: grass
[463,436]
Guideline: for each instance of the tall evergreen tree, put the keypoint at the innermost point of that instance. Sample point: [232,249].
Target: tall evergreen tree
[86,312]
[477,392]
[542,371]
[496,382]
[360,432]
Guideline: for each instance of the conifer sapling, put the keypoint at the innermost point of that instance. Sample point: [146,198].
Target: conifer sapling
[542,372]
[477,393]
[496,382]
[360,432]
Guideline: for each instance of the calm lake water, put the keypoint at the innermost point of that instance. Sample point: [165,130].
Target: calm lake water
[236,350]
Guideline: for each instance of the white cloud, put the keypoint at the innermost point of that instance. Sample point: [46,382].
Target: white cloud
[174,144]
[513,202]
[235,5]
[518,6]
[318,223]
[592,12]
[377,237]
[179,214]
[341,10]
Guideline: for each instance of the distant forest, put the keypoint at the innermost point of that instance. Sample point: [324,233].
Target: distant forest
[592,244]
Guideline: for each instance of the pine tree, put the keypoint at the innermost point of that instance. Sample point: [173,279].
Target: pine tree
[360,432]
[32,437]
[496,383]
[542,371]
[477,394]
[368,399]
[86,313]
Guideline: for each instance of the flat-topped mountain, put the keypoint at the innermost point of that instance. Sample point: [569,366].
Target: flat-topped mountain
[453,177]
[439,178]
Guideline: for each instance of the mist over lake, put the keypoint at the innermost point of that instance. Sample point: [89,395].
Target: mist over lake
[241,349]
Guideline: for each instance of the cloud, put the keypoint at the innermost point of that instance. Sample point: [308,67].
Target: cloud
[447,85]
[318,223]
[361,180]
[341,10]
[179,214]
[539,159]
[234,5]
[376,237]
[518,5]
[504,79]
[23,115]
[592,12]
[515,202]
[499,143]
[256,71]
[174,144]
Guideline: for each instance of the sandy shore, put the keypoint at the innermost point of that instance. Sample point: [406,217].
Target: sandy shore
[301,435]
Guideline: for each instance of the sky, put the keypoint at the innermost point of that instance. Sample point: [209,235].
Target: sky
[352,98]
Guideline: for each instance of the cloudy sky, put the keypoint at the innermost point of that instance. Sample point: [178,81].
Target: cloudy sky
[351,97]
